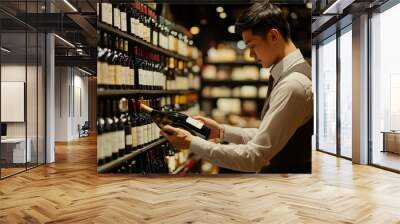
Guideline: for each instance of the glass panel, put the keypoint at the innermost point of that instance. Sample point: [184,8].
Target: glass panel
[346,93]
[327,95]
[13,86]
[385,84]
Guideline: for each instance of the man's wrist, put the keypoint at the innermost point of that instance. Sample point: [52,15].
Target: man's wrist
[221,132]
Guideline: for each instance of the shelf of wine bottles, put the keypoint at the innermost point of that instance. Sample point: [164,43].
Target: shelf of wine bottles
[140,24]
[108,92]
[124,131]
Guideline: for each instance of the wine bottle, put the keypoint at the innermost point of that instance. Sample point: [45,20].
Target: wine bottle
[178,120]
[110,75]
[126,120]
[109,133]
[100,134]
[119,136]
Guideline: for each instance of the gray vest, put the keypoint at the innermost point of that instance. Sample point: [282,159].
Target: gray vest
[295,157]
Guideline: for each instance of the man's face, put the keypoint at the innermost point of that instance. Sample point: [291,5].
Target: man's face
[263,49]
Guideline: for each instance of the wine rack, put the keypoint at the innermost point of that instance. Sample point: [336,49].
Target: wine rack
[154,54]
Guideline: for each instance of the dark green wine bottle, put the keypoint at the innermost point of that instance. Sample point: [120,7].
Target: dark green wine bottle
[176,119]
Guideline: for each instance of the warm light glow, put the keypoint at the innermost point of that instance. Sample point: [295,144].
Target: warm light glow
[195,30]
[220,9]
[222,15]
[231,29]
[241,45]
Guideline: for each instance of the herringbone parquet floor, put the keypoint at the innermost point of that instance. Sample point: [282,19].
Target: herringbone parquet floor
[70,191]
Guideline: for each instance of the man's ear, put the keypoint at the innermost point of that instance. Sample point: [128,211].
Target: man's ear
[273,35]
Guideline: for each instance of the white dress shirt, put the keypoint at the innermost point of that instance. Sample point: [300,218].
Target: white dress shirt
[291,106]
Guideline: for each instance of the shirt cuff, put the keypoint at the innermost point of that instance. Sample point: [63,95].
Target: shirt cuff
[230,135]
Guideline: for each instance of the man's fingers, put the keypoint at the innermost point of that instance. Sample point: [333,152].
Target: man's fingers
[169,128]
[200,118]
[167,136]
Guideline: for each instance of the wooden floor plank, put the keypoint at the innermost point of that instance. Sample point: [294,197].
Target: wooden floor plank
[70,191]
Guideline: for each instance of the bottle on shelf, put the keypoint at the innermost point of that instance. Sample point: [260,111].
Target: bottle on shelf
[119,136]
[126,121]
[177,119]
[111,148]
[101,135]
[106,13]
[109,77]
[116,16]
[123,8]
[102,66]
[134,124]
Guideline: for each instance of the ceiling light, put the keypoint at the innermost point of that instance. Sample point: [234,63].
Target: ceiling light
[64,40]
[222,15]
[220,9]
[195,30]
[231,29]
[309,5]
[5,50]
[70,5]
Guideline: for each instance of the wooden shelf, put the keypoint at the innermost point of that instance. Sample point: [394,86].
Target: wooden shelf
[233,97]
[232,63]
[214,82]
[108,28]
[121,92]
[115,163]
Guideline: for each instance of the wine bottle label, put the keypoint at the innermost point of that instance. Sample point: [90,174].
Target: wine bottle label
[108,143]
[194,122]
[134,137]
[117,18]
[104,72]
[121,139]
[118,75]
[155,35]
[133,28]
[100,146]
[99,74]
[139,132]
[111,75]
[123,21]
[115,140]
[149,133]
[145,134]
[106,13]
[132,76]
[128,140]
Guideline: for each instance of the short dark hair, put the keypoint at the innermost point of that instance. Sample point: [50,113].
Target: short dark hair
[261,17]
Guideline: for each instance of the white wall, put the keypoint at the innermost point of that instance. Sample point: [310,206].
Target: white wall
[71,93]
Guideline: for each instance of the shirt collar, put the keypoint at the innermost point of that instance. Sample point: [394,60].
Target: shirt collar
[286,63]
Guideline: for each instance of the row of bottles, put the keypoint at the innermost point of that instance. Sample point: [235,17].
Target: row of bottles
[123,128]
[141,21]
[154,160]
[123,65]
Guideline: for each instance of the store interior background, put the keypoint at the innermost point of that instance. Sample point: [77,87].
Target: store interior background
[47,80]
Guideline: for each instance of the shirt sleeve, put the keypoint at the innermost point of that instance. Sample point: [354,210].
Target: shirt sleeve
[285,115]
[238,135]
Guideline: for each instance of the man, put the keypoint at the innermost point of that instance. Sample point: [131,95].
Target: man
[282,143]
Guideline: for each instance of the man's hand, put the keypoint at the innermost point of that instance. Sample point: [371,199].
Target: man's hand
[213,125]
[179,138]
